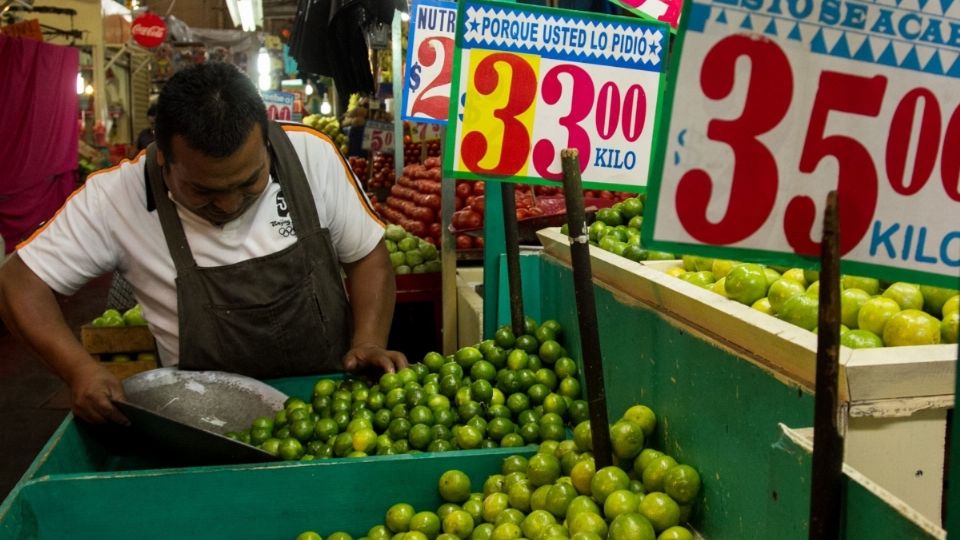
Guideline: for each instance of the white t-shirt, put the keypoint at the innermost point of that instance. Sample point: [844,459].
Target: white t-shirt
[105,225]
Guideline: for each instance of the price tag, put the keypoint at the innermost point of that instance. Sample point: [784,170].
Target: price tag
[378,137]
[667,11]
[532,81]
[279,105]
[426,89]
[775,107]
[425,132]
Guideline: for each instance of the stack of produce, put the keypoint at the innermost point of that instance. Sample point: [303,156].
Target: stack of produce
[383,174]
[412,150]
[617,229]
[873,314]
[330,127]
[558,493]
[409,254]
[507,391]
[414,201]
[360,167]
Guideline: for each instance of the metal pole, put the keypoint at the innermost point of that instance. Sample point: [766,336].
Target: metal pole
[586,308]
[826,489]
[396,36]
[511,231]
[448,261]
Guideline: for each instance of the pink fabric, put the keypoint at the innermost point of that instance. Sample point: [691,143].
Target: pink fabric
[38,133]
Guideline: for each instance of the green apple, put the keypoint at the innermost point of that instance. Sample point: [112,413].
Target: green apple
[851,300]
[428,251]
[413,257]
[403,269]
[391,246]
[875,312]
[409,243]
[397,258]
[134,317]
[395,233]
[906,295]
[911,327]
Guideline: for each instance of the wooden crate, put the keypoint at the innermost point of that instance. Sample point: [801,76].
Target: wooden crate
[103,341]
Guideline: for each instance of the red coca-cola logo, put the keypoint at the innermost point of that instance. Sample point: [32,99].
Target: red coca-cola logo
[148,30]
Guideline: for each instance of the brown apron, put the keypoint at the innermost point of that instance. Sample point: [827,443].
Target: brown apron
[280,315]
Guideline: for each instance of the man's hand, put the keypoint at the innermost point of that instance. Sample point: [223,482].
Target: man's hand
[93,386]
[369,355]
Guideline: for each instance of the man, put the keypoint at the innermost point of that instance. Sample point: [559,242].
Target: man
[146,135]
[232,232]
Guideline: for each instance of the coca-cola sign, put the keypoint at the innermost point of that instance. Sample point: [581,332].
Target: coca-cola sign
[148,30]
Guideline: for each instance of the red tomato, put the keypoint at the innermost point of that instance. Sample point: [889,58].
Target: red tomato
[464,241]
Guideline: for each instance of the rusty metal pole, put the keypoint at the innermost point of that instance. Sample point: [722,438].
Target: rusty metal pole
[826,490]
[511,232]
[586,308]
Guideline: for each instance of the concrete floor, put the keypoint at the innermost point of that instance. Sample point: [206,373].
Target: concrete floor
[33,401]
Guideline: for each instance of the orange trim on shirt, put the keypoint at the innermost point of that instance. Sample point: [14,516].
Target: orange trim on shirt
[43,227]
[355,183]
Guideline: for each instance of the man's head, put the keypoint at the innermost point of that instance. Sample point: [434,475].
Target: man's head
[152,114]
[211,139]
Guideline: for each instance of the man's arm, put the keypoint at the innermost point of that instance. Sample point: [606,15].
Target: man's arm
[30,311]
[372,290]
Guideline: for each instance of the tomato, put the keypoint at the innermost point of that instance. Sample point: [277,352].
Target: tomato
[464,241]
[463,189]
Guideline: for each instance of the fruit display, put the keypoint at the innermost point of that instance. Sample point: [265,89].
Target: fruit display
[330,127]
[412,150]
[873,314]
[617,229]
[558,493]
[409,254]
[505,392]
[113,317]
[360,167]
[414,201]
[382,175]
[359,111]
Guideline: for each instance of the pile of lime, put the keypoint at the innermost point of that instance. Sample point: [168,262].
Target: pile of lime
[113,317]
[505,392]
[617,230]
[558,493]
[873,313]
[410,254]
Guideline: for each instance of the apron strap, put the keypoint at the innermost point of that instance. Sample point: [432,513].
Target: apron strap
[169,219]
[293,182]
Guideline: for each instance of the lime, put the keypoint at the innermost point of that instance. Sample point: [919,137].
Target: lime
[543,469]
[582,476]
[518,359]
[662,511]
[519,494]
[466,357]
[583,436]
[682,483]
[655,471]
[506,531]
[458,523]
[783,290]
[484,531]
[427,523]
[513,440]
[952,305]
[468,437]
[746,283]
[527,343]
[504,337]
[550,351]
[379,532]
[559,497]
[676,533]
[631,526]
[763,306]
[851,300]
[494,504]
[621,501]
[398,517]
[911,327]
[867,284]
[626,438]
[906,295]
[339,535]
[800,310]
[454,486]
[860,339]
[420,436]
[535,523]
[948,327]
[606,481]
[433,361]
[290,449]
[875,313]
[588,523]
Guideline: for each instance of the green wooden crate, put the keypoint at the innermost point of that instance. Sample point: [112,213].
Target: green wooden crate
[244,502]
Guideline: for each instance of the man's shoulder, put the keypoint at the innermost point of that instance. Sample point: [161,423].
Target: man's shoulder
[123,183]
[305,138]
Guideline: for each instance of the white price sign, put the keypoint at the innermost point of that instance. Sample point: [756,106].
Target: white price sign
[425,132]
[532,81]
[378,137]
[426,87]
[776,104]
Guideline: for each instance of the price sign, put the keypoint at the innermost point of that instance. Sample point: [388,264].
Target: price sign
[777,104]
[378,137]
[425,132]
[279,105]
[667,11]
[532,81]
[426,89]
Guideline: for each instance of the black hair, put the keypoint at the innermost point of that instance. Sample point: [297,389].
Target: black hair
[152,109]
[213,106]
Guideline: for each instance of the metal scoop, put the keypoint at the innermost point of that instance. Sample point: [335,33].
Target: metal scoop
[187,412]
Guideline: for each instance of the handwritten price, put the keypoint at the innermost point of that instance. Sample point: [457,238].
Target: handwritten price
[502,93]
[756,174]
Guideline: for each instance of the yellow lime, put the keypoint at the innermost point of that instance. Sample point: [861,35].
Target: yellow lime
[631,526]
[626,437]
[454,486]
[682,483]
[662,511]
[606,481]
[655,471]
[621,501]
